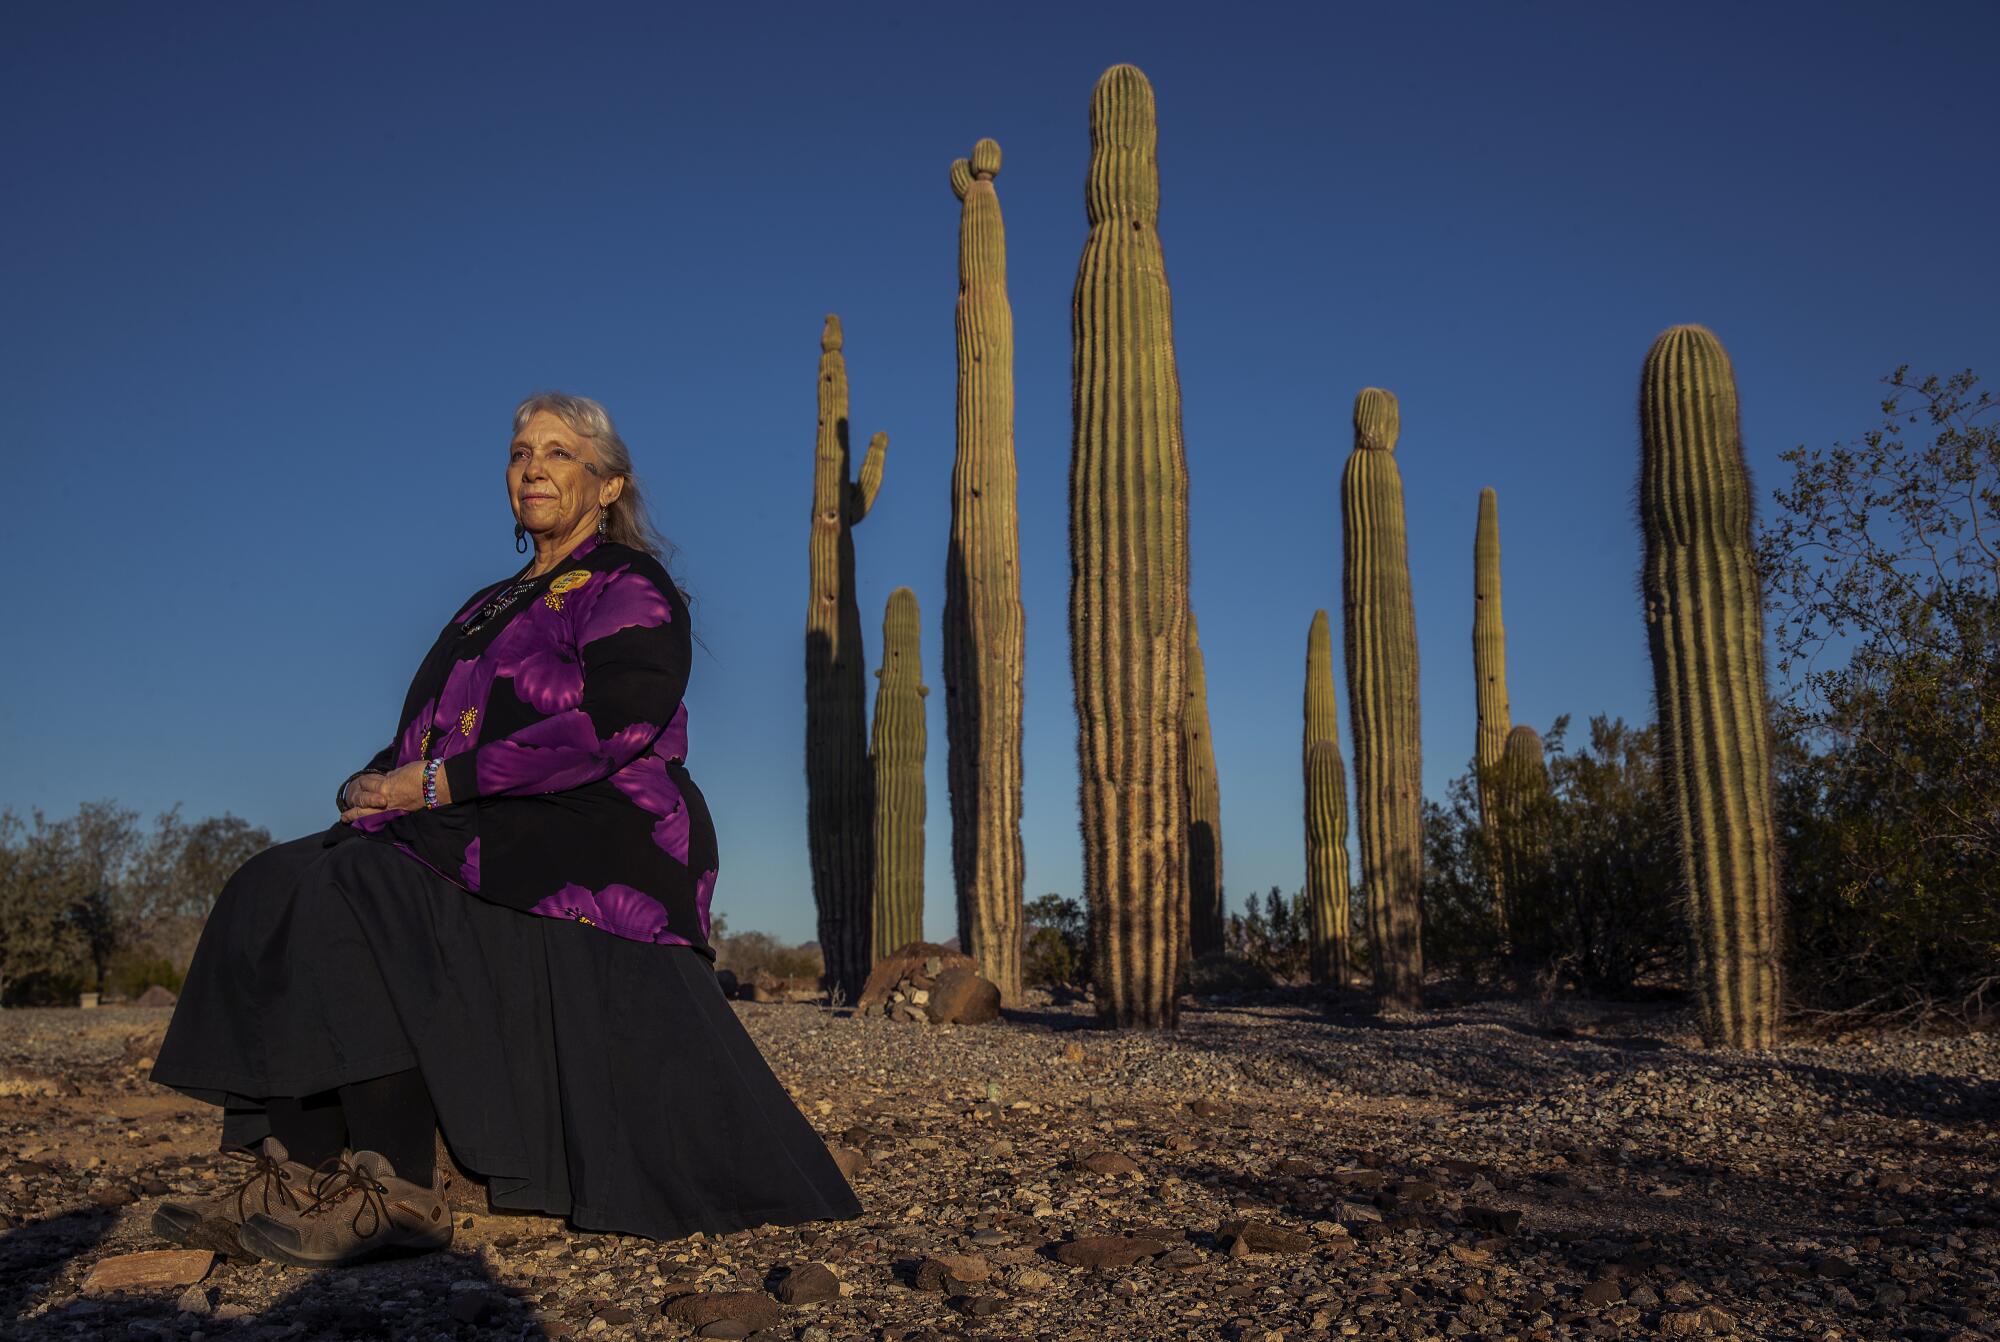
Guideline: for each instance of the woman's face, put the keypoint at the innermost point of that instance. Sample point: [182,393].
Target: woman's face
[555,479]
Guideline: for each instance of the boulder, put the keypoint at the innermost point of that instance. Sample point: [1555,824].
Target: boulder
[156,996]
[962,997]
[913,959]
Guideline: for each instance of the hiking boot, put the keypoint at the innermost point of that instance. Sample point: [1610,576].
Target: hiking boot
[359,1209]
[272,1182]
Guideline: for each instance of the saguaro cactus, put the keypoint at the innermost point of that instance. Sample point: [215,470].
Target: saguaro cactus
[1382,699]
[1522,775]
[897,747]
[1327,889]
[839,812]
[983,623]
[1204,808]
[1704,620]
[1489,670]
[1519,787]
[1128,600]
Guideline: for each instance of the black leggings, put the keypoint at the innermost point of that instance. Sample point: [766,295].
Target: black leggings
[391,1115]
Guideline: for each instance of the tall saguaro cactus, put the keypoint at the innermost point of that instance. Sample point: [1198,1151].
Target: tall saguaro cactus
[983,622]
[1204,808]
[1489,670]
[1327,889]
[1382,699]
[839,813]
[1704,620]
[1128,600]
[897,748]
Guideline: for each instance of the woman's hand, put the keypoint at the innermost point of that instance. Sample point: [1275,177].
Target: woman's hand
[398,790]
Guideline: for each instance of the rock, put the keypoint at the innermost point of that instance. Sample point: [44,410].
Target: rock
[978,1306]
[156,996]
[963,997]
[723,1328]
[155,1270]
[1495,1220]
[726,980]
[900,964]
[1604,1292]
[472,1306]
[809,1284]
[1681,1323]
[1032,1279]
[946,1271]
[1107,1162]
[1206,1108]
[1107,1251]
[1260,1237]
[700,1309]
[118,1195]
[197,1301]
[13,1082]
[850,1161]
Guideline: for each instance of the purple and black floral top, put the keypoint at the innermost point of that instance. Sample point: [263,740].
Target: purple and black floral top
[564,739]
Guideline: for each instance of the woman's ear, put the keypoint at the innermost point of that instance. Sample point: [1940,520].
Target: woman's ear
[608,492]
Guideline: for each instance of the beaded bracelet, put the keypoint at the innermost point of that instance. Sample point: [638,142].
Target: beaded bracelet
[431,783]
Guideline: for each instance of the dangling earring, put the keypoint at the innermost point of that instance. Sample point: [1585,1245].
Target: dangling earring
[520,539]
[603,523]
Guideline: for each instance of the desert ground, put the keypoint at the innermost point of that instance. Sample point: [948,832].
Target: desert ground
[1276,1169]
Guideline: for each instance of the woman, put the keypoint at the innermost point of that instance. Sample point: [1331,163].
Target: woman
[505,936]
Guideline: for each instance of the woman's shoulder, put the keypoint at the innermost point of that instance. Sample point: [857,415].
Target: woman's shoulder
[633,563]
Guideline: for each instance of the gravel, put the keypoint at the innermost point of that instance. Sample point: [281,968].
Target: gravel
[1278,1168]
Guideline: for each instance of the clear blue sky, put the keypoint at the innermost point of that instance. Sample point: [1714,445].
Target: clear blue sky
[272,276]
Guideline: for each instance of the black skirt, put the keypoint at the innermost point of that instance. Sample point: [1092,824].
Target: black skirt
[583,1074]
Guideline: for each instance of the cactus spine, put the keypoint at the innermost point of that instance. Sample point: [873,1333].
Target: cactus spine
[1382,697]
[897,746]
[1704,621]
[1204,802]
[983,622]
[1489,669]
[1128,600]
[1327,888]
[839,826]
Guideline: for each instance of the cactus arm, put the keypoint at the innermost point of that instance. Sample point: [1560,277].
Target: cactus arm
[862,493]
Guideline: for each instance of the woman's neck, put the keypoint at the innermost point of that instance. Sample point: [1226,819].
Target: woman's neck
[551,550]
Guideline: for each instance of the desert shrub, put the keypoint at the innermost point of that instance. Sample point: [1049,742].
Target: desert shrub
[133,971]
[1227,972]
[1055,947]
[1272,934]
[1590,873]
[748,954]
[1882,569]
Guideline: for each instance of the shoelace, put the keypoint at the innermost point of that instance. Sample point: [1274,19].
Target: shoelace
[274,1177]
[347,1180]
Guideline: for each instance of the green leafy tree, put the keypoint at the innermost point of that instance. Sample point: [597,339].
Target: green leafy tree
[1588,867]
[1882,570]
[1056,947]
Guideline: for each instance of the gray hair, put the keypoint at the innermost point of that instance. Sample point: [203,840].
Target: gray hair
[627,522]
